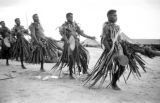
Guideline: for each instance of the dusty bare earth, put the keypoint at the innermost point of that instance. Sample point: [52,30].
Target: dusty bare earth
[26,87]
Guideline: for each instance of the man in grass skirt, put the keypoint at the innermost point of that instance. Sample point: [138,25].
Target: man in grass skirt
[74,54]
[42,46]
[21,47]
[118,54]
[5,42]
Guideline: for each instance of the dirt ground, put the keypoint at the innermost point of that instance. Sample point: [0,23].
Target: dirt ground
[25,86]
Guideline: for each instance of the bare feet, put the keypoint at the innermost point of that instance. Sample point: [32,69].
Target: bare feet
[115,87]
[71,77]
[7,64]
[42,70]
[23,67]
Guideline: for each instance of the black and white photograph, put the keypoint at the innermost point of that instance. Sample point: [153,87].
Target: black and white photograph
[79,51]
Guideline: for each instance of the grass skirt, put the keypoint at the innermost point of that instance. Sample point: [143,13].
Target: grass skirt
[20,47]
[46,48]
[78,58]
[107,64]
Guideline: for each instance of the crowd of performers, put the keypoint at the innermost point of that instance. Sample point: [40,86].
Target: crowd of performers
[15,46]
[118,55]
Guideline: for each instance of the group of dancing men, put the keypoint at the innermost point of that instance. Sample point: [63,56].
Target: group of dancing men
[118,54]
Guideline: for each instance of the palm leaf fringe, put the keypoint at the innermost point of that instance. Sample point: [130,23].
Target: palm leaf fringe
[106,64]
[47,49]
[21,46]
[79,57]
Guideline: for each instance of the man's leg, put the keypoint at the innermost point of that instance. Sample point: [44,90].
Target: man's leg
[71,67]
[21,57]
[42,65]
[7,56]
[116,77]
[16,58]
[7,62]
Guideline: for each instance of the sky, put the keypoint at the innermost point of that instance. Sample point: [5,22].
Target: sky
[138,19]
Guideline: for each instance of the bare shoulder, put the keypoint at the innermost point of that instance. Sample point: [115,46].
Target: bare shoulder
[14,27]
[31,26]
[105,25]
[64,25]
